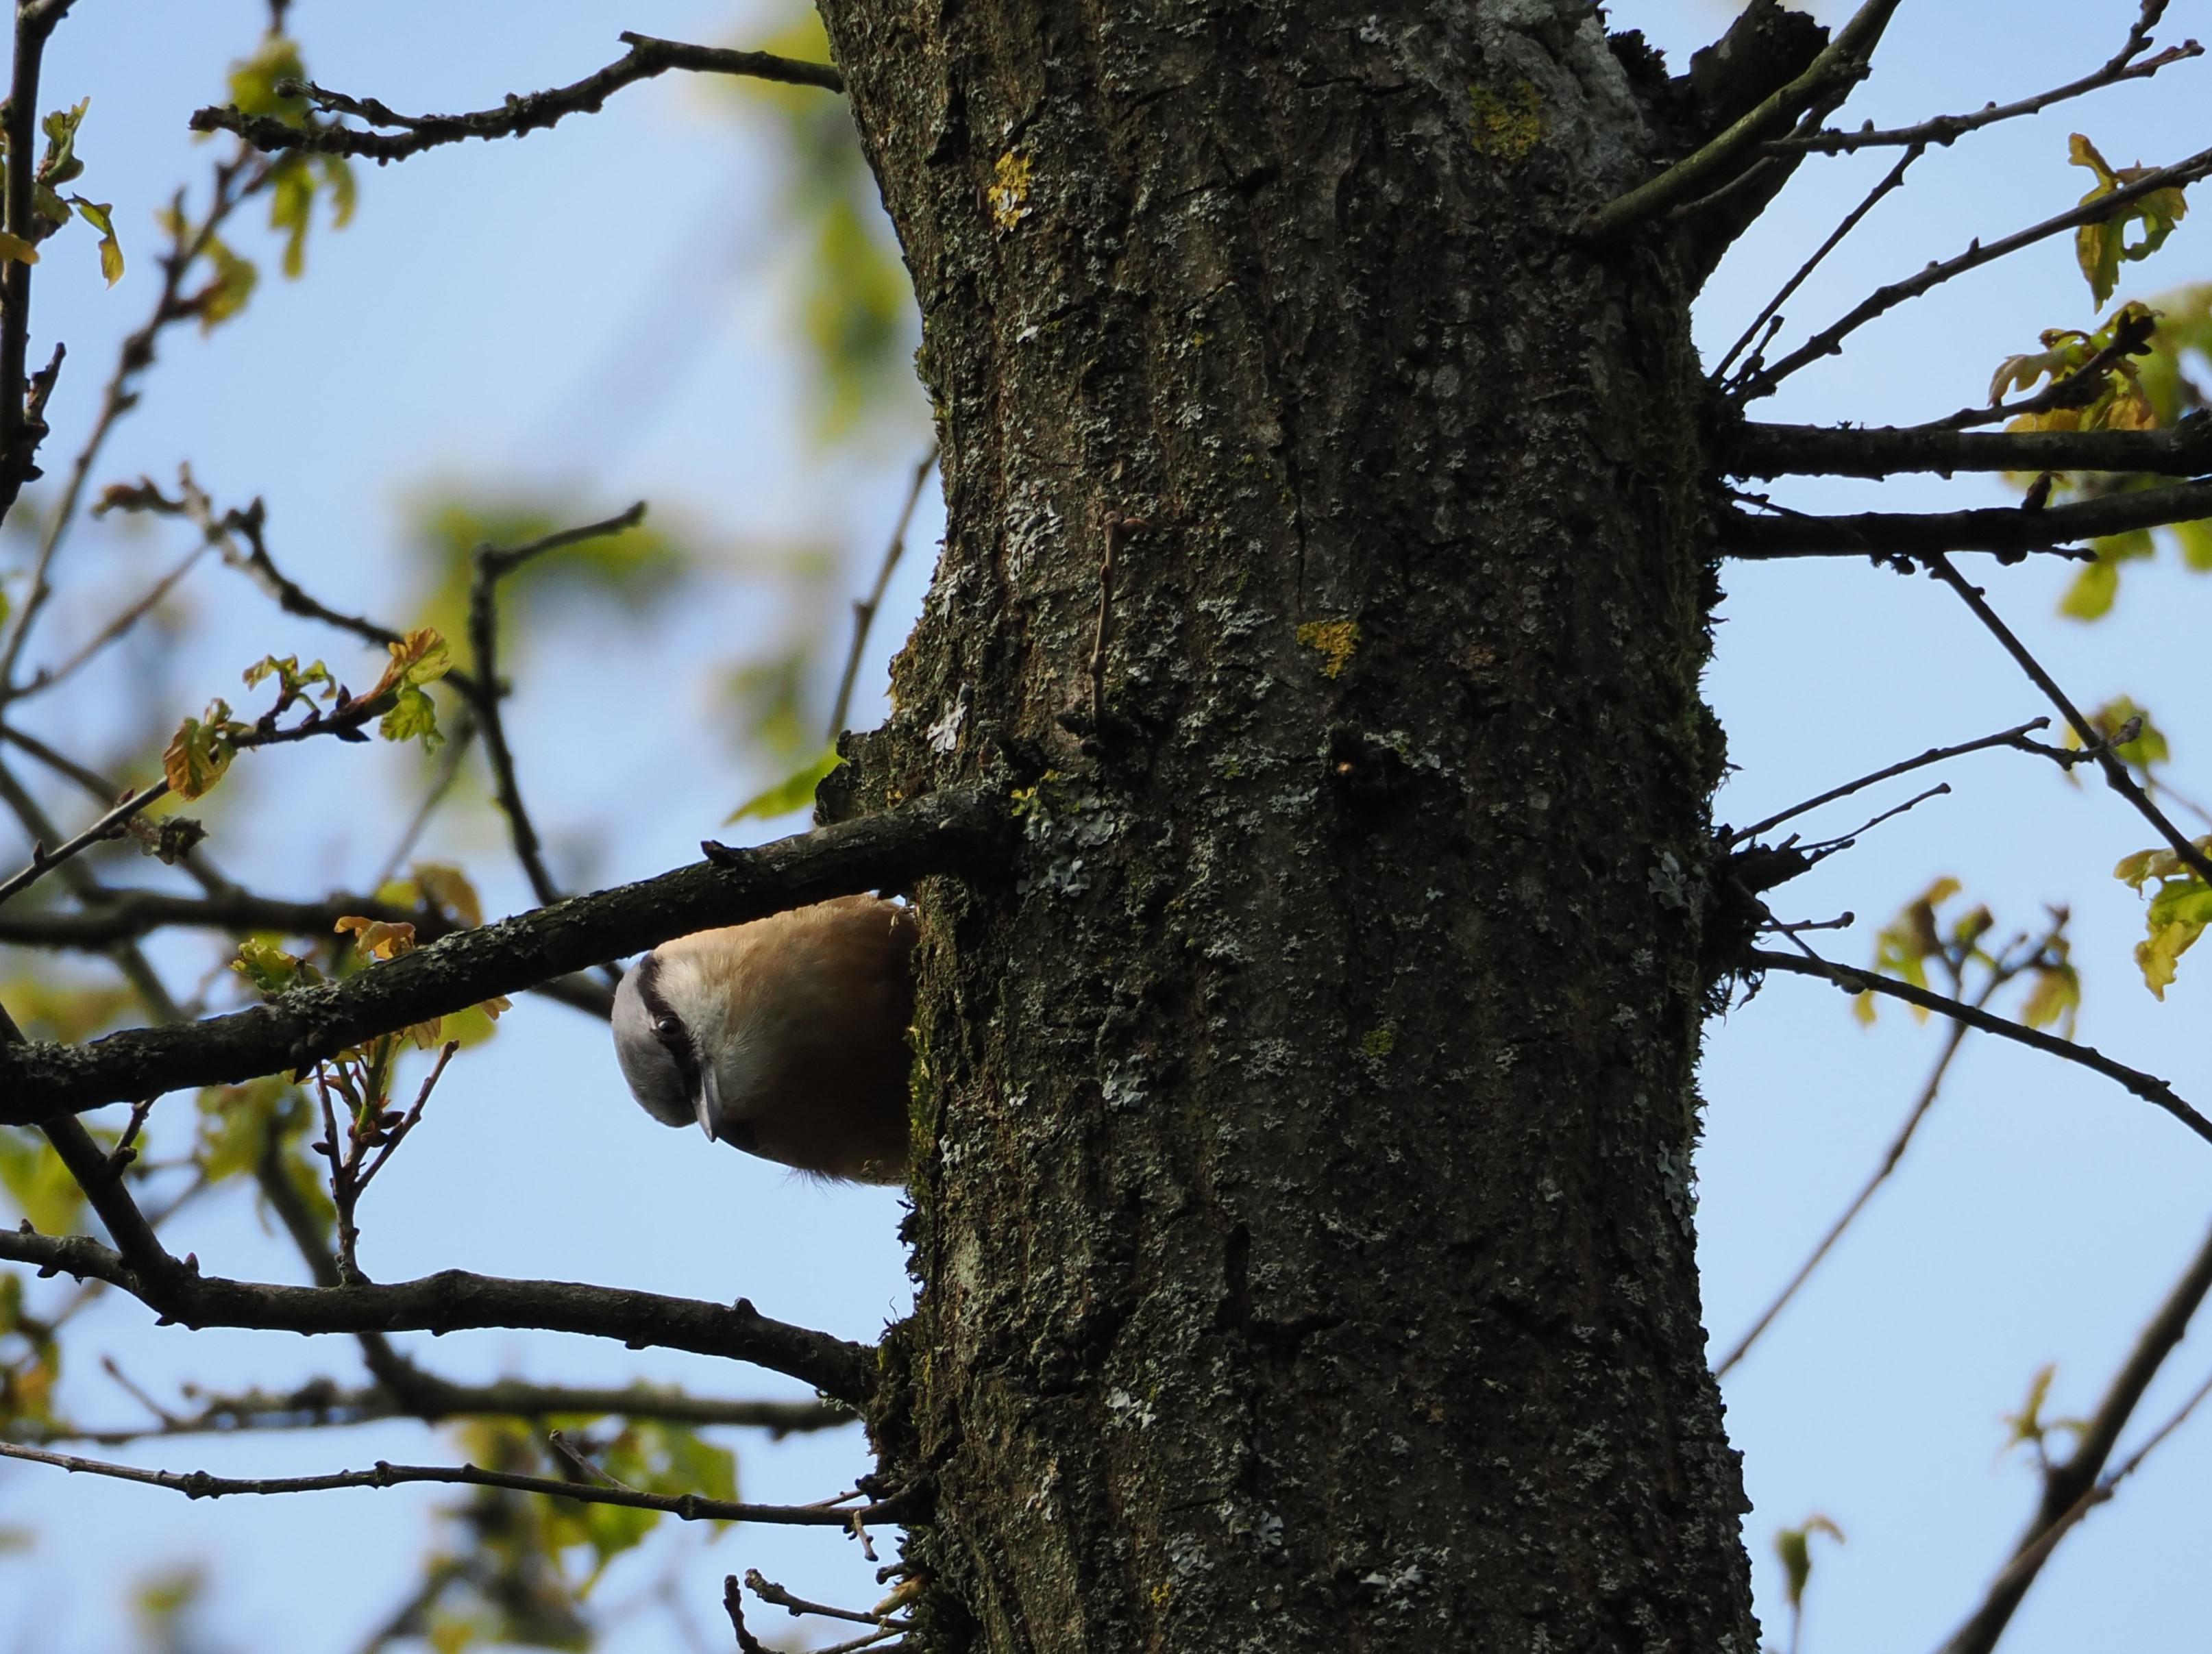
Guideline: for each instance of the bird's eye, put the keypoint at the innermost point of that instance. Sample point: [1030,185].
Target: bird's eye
[668,1028]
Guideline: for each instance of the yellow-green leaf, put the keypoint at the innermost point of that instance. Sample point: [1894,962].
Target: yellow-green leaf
[794,792]
[2100,249]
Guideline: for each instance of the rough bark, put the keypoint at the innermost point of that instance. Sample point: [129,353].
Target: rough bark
[1303,1212]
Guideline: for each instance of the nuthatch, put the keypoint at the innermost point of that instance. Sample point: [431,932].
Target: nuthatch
[786,1037]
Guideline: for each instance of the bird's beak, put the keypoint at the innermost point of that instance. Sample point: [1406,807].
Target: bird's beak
[708,1104]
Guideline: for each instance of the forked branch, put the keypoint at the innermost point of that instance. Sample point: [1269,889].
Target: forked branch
[529,112]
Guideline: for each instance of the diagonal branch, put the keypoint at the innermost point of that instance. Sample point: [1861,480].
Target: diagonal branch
[2123,65]
[1840,65]
[2115,768]
[527,113]
[1829,340]
[943,832]
[453,1300]
[2016,738]
[1924,536]
[2072,1489]
[691,1507]
[1757,450]
[2149,1088]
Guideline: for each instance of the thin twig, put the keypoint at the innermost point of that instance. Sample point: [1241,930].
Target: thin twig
[322,1404]
[2149,1088]
[121,624]
[768,1591]
[2016,737]
[864,609]
[2074,1489]
[198,1483]
[2115,768]
[340,721]
[235,180]
[519,114]
[1947,129]
[1829,340]
[1770,312]
[493,565]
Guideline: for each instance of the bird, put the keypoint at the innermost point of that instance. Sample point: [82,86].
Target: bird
[786,1037]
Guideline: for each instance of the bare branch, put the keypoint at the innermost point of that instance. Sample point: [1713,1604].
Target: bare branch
[1756,450]
[109,917]
[1770,311]
[1925,536]
[22,426]
[2115,768]
[864,609]
[454,1300]
[943,832]
[1841,65]
[519,114]
[2016,736]
[1948,129]
[323,1404]
[2149,1088]
[2073,1489]
[690,1507]
[494,564]
[1829,340]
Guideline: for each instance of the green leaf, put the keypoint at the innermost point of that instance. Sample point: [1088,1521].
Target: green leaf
[1795,1546]
[414,716]
[2101,248]
[2089,595]
[200,751]
[40,1186]
[794,792]
[100,215]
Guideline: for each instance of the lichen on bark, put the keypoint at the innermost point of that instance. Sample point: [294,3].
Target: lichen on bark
[1239,1326]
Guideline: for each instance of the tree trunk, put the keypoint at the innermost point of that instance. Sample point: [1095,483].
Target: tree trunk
[1303,1217]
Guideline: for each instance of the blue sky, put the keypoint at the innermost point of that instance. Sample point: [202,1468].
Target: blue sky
[604,311]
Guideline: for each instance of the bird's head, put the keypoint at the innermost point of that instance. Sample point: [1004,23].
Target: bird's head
[671,1026]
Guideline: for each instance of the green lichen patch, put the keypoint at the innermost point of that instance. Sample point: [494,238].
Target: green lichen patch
[1334,640]
[1506,124]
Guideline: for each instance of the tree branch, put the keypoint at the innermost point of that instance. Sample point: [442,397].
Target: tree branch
[1757,450]
[109,917]
[527,113]
[864,609]
[2149,1088]
[1769,312]
[2070,1490]
[2006,530]
[1948,129]
[322,1404]
[21,428]
[453,1300]
[691,1507]
[944,832]
[493,565]
[1829,340]
[1840,65]
[2114,767]
[2016,738]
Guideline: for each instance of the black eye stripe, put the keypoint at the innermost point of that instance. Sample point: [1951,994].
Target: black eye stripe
[668,1027]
